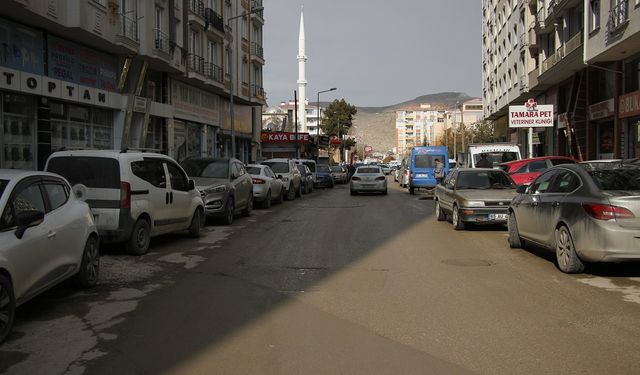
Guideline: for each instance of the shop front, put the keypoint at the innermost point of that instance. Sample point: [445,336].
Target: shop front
[602,118]
[283,144]
[629,113]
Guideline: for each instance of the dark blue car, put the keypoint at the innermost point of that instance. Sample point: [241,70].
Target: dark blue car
[324,178]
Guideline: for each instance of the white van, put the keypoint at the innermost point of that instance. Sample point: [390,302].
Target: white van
[497,153]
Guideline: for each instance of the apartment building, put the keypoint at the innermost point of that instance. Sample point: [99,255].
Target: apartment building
[417,126]
[459,120]
[117,74]
[583,58]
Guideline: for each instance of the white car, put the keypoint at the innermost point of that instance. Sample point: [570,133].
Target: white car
[47,236]
[133,195]
[368,178]
[286,170]
[266,186]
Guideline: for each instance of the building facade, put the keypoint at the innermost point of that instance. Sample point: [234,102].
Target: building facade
[417,126]
[115,74]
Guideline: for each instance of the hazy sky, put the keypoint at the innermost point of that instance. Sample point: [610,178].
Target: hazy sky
[376,52]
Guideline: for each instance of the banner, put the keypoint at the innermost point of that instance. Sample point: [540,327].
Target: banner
[284,137]
[531,115]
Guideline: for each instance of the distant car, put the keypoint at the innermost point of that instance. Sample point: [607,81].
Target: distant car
[385,169]
[368,178]
[340,174]
[584,212]
[526,170]
[267,188]
[474,196]
[403,173]
[324,178]
[309,163]
[224,184]
[291,179]
[47,234]
[452,163]
[307,178]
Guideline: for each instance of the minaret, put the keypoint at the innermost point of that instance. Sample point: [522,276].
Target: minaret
[302,81]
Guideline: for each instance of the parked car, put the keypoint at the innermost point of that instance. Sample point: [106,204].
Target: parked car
[133,195]
[309,163]
[403,173]
[340,174]
[306,178]
[422,163]
[385,169]
[47,235]
[526,170]
[324,178]
[368,178]
[286,169]
[474,196]
[583,212]
[224,184]
[266,186]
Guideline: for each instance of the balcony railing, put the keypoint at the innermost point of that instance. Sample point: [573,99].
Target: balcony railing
[214,19]
[541,16]
[524,82]
[196,63]
[571,45]
[197,7]
[213,71]
[257,50]
[618,16]
[257,91]
[128,27]
[552,7]
[161,40]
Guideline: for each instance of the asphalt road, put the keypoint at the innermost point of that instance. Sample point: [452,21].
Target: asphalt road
[331,284]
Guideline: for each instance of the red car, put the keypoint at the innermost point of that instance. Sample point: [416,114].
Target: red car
[524,171]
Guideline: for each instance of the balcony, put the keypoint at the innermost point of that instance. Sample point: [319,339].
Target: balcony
[196,64]
[257,50]
[551,8]
[197,7]
[161,40]
[524,40]
[212,18]
[540,18]
[618,17]
[128,28]
[565,50]
[213,72]
[524,83]
[259,16]
[257,92]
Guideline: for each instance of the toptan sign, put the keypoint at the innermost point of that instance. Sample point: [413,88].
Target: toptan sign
[531,115]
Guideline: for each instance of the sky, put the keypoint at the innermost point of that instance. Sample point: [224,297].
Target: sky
[376,52]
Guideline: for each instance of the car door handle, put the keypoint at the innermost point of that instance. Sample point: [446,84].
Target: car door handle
[166,198]
[171,197]
[51,234]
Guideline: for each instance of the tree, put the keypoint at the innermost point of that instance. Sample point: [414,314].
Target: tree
[482,132]
[338,117]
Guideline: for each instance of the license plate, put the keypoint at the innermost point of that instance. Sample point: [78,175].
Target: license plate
[497,216]
[423,175]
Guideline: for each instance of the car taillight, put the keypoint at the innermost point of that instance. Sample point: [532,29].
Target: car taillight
[607,211]
[258,181]
[380,178]
[354,178]
[125,195]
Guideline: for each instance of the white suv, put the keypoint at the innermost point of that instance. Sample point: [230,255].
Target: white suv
[133,195]
[286,170]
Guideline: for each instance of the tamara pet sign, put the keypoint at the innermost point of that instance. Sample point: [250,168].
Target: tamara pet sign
[531,115]
[284,137]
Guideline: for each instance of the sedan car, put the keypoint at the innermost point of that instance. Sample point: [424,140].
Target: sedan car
[266,186]
[47,235]
[224,184]
[324,178]
[340,174]
[584,212]
[368,178]
[474,196]
[307,178]
[526,170]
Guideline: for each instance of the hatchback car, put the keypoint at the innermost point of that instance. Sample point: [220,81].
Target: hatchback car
[324,177]
[133,195]
[224,184]
[584,212]
[368,178]
[474,196]
[526,170]
[267,188]
[47,235]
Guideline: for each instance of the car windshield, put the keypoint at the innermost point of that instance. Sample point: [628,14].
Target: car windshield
[312,166]
[368,170]
[427,161]
[3,185]
[93,172]
[337,169]
[254,170]
[323,169]
[278,166]
[206,168]
[622,178]
[301,168]
[484,180]
[497,157]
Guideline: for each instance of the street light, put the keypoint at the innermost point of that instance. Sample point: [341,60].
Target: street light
[318,112]
[230,54]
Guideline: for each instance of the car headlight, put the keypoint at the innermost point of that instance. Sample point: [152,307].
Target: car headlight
[285,179]
[216,189]
[475,204]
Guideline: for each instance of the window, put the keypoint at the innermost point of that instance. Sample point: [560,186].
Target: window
[212,52]
[93,172]
[537,166]
[245,71]
[80,127]
[566,182]
[541,184]
[57,194]
[594,15]
[29,199]
[151,171]
[195,42]
[178,179]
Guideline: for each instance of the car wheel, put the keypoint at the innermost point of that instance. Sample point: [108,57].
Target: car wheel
[412,191]
[197,223]
[229,212]
[440,215]
[299,191]
[267,201]
[138,243]
[87,276]
[515,242]
[249,207]
[7,307]
[458,224]
[566,256]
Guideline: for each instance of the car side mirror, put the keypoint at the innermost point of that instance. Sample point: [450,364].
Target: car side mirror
[192,185]
[522,189]
[28,219]
[279,177]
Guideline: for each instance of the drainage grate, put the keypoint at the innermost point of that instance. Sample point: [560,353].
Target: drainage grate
[468,262]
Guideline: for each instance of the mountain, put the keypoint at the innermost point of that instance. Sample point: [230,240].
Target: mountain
[446,99]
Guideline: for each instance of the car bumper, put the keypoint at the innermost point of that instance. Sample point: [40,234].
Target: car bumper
[323,182]
[483,215]
[606,241]
[260,192]
[369,186]
[215,204]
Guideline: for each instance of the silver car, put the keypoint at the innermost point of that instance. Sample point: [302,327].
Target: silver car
[340,174]
[368,178]
[584,212]
[474,196]
[266,186]
[47,236]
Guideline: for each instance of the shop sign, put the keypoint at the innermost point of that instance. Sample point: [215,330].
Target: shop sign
[601,110]
[629,105]
[21,48]
[193,104]
[72,62]
[284,137]
[36,84]
[530,115]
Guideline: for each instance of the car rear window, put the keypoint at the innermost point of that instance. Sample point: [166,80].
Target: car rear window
[427,161]
[206,168]
[253,170]
[368,170]
[625,178]
[562,161]
[337,169]
[93,172]
[323,169]
[278,166]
